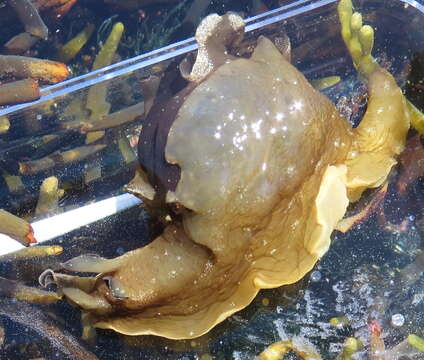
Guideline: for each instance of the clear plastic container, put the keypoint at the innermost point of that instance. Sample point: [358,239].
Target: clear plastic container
[96,215]
[52,124]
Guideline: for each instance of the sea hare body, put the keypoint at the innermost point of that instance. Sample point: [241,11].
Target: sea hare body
[266,170]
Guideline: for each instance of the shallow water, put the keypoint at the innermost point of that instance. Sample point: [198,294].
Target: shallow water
[360,278]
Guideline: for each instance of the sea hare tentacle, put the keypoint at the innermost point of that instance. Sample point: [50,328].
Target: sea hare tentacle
[86,301]
[92,263]
[48,277]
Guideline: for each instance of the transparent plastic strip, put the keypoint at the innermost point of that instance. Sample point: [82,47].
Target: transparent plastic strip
[61,224]
[162,54]
[54,226]
[416,4]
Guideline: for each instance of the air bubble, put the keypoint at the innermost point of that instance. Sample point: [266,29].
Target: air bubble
[398,320]
[316,276]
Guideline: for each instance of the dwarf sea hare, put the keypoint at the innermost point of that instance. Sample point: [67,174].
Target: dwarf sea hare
[262,169]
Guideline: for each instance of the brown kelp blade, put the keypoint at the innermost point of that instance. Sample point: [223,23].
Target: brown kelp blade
[27,67]
[16,228]
[63,158]
[16,290]
[31,317]
[19,91]
[29,16]
[20,43]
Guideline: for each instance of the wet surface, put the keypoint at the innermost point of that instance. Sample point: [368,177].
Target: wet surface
[360,278]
